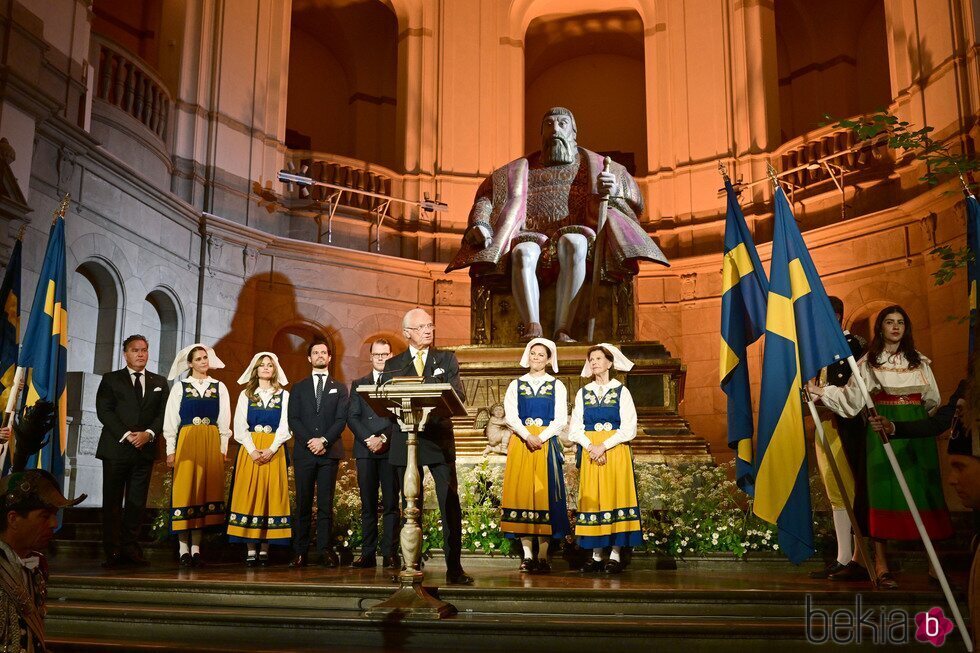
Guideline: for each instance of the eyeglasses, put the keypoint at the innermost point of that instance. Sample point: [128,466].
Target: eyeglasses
[422,327]
[384,355]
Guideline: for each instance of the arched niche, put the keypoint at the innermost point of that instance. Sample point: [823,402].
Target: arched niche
[162,325]
[95,317]
[832,58]
[343,74]
[593,64]
[290,343]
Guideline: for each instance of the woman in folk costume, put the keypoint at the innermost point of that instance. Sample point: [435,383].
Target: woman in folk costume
[603,422]
[533,502]
[259,510]
[197,428]
[903,388]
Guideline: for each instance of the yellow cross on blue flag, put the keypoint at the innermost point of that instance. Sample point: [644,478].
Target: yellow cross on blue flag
[9,323]
[45,350]
[743,321]
[802,336]
[973,266]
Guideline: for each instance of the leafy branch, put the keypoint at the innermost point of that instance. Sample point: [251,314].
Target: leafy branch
[940,162]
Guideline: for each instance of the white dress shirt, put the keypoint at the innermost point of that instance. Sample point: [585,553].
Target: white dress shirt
[132,382]
[415,352]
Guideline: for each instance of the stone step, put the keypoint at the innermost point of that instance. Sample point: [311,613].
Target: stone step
[224,608]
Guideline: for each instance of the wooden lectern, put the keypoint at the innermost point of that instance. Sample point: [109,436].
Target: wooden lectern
[410,402]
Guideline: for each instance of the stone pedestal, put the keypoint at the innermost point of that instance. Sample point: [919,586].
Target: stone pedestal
[656,383]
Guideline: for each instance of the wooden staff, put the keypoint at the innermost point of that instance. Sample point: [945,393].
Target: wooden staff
[597,259]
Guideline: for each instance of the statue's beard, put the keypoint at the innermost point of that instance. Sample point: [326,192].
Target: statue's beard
[557,150]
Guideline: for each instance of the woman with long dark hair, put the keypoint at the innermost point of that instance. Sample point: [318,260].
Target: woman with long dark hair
[197,428]
[603,422]
[903,388]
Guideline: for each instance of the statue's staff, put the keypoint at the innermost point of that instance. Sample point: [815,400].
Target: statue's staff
[597,258]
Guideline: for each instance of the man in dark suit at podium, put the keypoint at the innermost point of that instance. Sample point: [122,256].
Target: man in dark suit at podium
[130,404]
[317,416]
[436,443]
[372,439]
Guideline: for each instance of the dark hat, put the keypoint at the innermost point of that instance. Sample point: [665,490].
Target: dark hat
[33,489]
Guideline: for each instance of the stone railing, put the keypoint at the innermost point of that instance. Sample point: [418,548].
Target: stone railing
[803,156]
[127,83]
[349,173]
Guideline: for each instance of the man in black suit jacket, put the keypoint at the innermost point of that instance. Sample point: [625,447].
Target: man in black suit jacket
[130,404]
[436,443]
[372,437]
[317,416]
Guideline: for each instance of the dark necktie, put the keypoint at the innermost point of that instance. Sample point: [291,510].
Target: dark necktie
[137,386]
[319,391]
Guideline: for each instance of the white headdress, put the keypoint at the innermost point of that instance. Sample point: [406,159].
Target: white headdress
[526,358]
[620,362]
[247,374]
[181,365]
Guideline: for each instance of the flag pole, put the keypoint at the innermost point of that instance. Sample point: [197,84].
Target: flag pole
[916,517]
[848,504]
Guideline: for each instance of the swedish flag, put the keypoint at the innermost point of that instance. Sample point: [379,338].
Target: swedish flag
[45,349]
[973,267]
[9,323]
[802,336]
[743,321]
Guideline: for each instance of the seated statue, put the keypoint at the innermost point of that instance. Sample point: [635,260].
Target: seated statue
[543,211]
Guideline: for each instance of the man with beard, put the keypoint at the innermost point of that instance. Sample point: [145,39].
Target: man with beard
[543,210]
[317,417]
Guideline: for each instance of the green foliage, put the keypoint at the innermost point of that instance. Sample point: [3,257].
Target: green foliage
[686,510]
[697,509]
[899,135]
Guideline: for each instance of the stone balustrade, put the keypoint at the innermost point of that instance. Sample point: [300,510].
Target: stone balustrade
[349,173]
[803,156]
[127,83]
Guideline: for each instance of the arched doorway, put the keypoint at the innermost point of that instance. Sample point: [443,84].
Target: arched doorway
[832,59]
[343,70]
[590,63]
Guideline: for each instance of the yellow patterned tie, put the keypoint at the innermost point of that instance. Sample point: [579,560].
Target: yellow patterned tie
[419,363]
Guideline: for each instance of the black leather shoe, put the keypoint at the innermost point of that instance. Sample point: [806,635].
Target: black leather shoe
[251,560]
[614,567]
[330,559]
[364,562]
[393,561]
[137,560]
[459,578]
[263,558]
[185,560]
[832,568]
[544,567]
[196,560]
[527,566]
[851,571]
[298,561]
[591,567]
[114,561]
